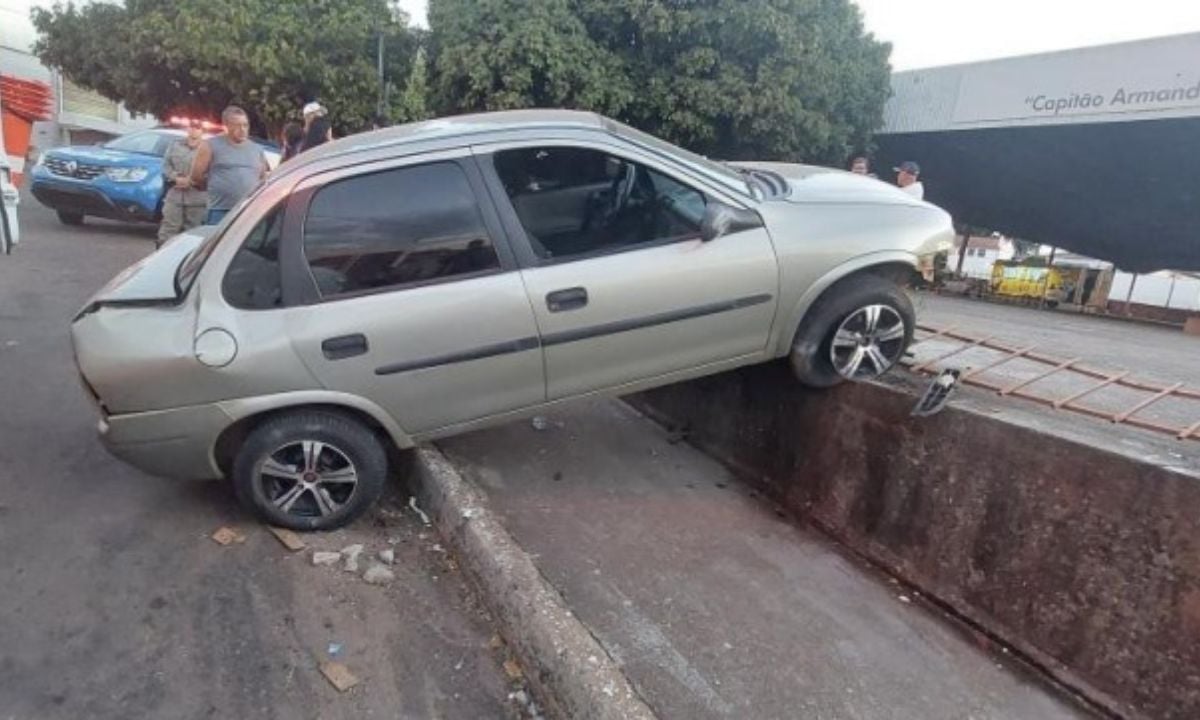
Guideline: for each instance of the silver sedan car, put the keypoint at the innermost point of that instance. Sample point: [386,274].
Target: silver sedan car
[420,281]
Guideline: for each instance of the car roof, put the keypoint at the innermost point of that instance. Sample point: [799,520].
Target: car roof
[448,132]
[449,129]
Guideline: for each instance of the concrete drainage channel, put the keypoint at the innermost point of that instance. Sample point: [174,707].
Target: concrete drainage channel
[569,670]
[1074,544]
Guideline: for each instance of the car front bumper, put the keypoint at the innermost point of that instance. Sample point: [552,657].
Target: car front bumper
[132,203]
[176,443]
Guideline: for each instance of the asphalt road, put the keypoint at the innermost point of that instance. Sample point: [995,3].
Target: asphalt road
[114,602]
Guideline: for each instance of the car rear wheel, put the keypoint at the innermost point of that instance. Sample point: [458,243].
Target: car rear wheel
[313,470]
[859,330]
[70,218]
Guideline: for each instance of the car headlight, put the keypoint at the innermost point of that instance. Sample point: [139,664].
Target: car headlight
[126,174]
[41,160]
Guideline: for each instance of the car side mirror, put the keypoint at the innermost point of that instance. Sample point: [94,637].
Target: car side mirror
[721,219]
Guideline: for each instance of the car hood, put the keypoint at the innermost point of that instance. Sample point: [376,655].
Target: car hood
[810,183]
[151,279]
[97,155]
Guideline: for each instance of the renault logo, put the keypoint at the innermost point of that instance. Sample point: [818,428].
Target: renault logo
[72,166]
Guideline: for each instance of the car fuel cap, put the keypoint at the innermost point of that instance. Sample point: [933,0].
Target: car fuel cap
[215,347]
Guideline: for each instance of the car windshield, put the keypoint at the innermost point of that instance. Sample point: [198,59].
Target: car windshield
[718,171]
[147,142]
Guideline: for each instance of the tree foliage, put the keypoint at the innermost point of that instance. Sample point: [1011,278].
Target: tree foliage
[506,54]
[412,104]
[165,57]
[768,79]
[785,79]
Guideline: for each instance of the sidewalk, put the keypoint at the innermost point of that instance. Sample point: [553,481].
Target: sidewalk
[713,605]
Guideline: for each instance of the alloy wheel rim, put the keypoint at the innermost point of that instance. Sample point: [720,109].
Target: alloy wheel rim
[307,478]
[868,342]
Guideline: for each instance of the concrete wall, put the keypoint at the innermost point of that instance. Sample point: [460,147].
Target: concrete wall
[1150,312]
[1085,560]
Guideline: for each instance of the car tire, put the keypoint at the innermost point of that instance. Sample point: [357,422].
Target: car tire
[70,218]
[310,470]
[847,308]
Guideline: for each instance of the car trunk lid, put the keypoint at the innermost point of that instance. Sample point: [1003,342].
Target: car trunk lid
[151,280]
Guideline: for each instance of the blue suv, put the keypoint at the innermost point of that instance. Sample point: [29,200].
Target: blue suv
[120,180]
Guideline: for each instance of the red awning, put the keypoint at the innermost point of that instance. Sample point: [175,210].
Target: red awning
[27,99]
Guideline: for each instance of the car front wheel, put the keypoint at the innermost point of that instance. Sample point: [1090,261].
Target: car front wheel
[859,330]
[310,470]
[70,218]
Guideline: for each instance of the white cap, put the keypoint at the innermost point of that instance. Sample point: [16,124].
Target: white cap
[313,108]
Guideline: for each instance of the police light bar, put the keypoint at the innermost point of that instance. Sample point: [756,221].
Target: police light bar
[184,122]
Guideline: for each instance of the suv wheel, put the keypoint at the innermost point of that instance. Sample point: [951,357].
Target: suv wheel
[314,470]
[858,331]
[70,218]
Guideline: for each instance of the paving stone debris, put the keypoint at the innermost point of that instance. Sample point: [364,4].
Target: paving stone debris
[287,538]
[227,535]
[351,553]
[387,557]
[338,675]
[379,575]
[325,558]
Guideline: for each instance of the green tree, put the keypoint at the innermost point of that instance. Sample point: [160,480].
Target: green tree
[779,79]
[166,57]
[505,54]
[411,105]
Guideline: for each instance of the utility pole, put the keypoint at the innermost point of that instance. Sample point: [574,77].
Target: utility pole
[1046,282]
[962,251]
[379,71]
[1129,295]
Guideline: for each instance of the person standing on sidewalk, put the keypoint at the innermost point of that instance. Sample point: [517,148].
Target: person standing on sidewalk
[229,165]
[908,175]
[291,139]
[184,206]
[317,128]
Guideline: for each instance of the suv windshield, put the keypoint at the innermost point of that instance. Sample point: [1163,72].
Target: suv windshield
[147,142]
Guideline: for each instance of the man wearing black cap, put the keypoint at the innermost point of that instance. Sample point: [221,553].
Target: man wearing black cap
[907,175]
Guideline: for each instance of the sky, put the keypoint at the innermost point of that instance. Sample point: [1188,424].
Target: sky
[926,33]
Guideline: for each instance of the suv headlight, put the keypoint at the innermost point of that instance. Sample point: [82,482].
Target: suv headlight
[126,174]
[41,160]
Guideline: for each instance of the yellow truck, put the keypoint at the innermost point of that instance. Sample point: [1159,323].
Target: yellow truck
[1029,282]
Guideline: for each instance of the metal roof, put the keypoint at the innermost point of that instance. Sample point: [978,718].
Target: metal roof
[1140,80]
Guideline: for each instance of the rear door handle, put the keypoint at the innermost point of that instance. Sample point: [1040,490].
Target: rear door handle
[568,299]
[344,346]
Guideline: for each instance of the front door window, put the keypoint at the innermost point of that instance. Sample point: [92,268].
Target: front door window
[576,202]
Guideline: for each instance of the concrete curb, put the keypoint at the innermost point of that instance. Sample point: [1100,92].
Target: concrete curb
[571,673]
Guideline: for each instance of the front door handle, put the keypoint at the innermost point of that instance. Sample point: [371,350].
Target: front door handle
[569,299]
[344,346]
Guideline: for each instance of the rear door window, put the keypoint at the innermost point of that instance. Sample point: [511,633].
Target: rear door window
[395,229]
